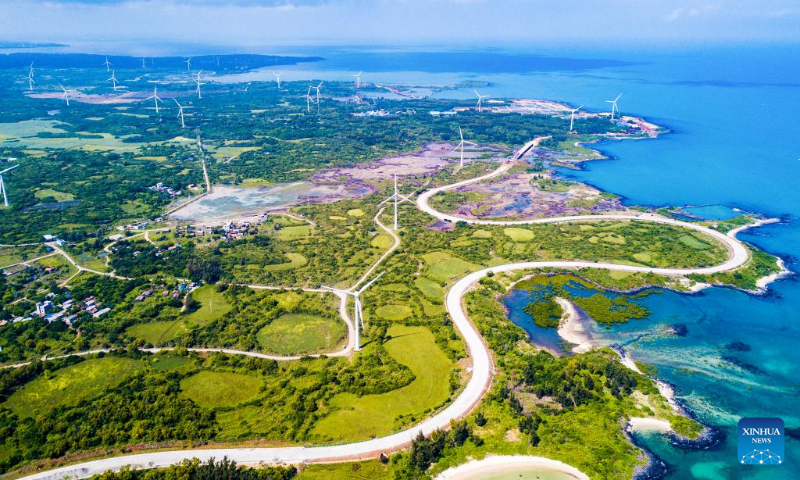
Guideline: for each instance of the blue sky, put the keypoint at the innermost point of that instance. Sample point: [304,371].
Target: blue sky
[402,22]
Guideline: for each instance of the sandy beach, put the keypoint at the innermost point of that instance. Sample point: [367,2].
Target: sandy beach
[508,466]
[762,282]
[640,424]
[571,329]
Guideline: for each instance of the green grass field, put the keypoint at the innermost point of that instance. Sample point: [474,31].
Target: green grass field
[220,389]
[358,418]
[294,233]
[71,385]
[156,333]
[518,234]
[13,255]
[370,470]
[295,261]
[429,288]
[394,312]
[59,196]
[213,305]
[384,242]
[442,266]
[298,333]
[694,242]
[165,361]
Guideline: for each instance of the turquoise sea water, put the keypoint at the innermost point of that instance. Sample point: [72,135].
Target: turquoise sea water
[735,143]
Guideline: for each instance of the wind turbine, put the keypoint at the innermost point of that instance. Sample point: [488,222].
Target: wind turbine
[359,320]
[3,185]
[180,113]
[31,81]
[188,63]
[143,64]
[197,81]
[66,93]
[155,98]
[317,88]
[397,197]
[113,79]
[572,117]
[278,78]
[308,100]
[461,145]
[480,100]
[107,64]
[358,79]
[614,107]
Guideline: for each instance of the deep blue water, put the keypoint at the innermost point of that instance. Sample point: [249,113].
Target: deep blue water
[735,142]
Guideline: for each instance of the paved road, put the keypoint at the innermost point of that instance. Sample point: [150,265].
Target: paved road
[481,368]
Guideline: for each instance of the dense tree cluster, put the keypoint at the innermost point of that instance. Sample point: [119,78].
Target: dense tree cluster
[375,372]
[426,451]
[195,470]
[148,407]
[546,312]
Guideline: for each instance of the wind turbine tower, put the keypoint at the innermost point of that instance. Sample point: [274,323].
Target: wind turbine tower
[180,113]
[397,197]
[113,79]
[308,100]
[278,78]
[359,317]
[198,82]
[614,107]
[358,79]
[317,88]
[461,146]
[155,98]
[572,117]
[31,81]
[3,185]
[480,100]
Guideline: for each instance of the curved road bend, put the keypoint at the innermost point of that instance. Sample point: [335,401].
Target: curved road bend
[472,393]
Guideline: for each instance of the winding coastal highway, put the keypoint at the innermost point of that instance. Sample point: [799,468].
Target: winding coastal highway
[482,368]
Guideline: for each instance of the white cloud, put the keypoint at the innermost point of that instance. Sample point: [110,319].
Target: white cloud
[703,10]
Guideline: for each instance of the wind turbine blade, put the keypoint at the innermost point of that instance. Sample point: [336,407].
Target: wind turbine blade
[618,97]
[370,283]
